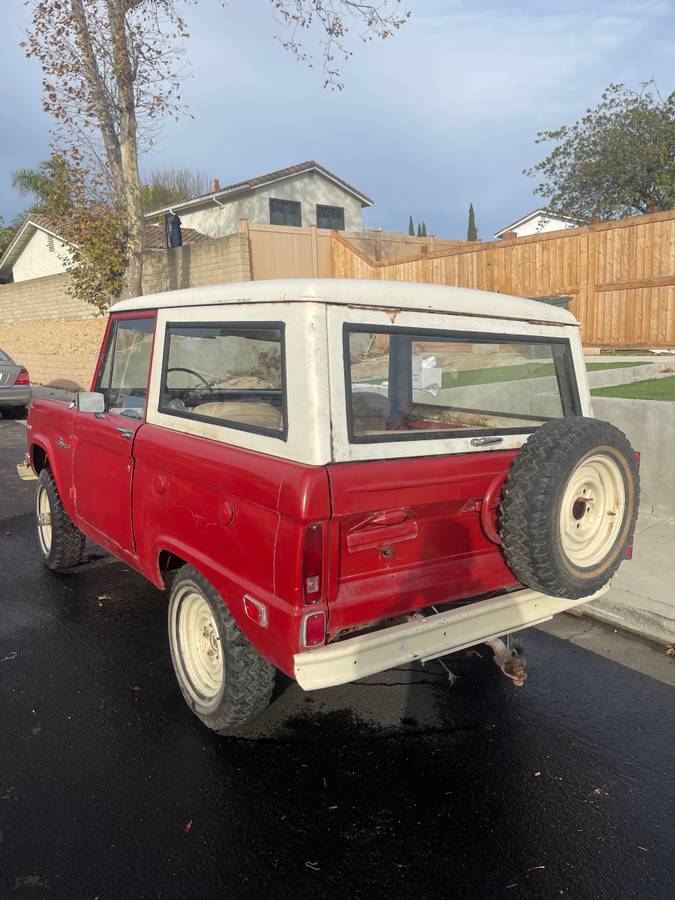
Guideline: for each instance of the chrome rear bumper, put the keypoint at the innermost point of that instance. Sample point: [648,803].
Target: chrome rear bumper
[425,638]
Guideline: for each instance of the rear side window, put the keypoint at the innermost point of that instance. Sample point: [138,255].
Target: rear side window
[406,385]
[227,374]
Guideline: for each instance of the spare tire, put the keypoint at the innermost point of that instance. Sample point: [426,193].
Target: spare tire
[569,507]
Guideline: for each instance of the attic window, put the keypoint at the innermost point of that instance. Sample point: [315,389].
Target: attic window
[50,243]
[285,212]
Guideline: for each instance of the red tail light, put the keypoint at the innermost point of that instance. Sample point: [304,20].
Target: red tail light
[314,629]
[22,377]
[312,563]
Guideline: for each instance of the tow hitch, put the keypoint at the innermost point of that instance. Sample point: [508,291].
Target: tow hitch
[509,661]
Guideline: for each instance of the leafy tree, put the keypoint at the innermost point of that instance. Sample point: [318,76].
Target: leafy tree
[617,160]
[49,186]
[167,186]
[111,76]
[411,227]
[472,231]
[7,233]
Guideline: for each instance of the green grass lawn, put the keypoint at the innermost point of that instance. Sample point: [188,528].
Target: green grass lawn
[516,373]
[655,389]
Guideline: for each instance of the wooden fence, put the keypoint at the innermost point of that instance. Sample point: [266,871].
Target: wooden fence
[280,251]
[620,275]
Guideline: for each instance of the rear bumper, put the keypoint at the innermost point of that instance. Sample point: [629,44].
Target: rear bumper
[426,638]
[15,396]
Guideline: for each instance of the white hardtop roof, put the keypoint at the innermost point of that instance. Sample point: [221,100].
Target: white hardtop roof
[354,292]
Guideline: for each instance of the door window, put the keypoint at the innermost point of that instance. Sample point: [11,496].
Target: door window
[123,379]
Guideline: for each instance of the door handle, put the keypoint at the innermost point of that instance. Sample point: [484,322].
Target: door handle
[125,432]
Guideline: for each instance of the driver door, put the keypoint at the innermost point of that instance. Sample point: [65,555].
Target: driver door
[103,464]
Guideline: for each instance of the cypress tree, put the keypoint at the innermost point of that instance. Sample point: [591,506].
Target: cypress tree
[424,229]
[472,231]
[411,227]
[419,230]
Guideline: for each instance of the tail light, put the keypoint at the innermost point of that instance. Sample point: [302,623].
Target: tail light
[312,564]
[313,629]
[22,377]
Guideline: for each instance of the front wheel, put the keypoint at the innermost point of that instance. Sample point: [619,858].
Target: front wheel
[223,679]
[61,542]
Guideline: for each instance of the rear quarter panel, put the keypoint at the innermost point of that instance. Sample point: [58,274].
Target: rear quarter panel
[237,516]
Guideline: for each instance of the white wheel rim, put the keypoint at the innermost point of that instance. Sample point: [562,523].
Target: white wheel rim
[592,510]
[198,645]
[44,519]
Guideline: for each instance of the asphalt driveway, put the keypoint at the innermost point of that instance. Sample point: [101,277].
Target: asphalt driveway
[400,785]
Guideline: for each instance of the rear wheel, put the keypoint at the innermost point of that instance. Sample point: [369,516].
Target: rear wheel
[223,679]
[61,542]
[569,507]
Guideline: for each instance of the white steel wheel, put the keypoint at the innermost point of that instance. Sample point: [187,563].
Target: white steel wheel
[43,513]
[222,677]
[592,510]
[197,645]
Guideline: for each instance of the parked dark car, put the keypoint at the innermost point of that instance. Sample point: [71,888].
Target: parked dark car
[15,389]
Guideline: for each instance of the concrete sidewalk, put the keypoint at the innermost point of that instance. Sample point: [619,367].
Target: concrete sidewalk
[642,598]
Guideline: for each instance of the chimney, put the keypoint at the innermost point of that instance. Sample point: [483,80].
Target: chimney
[216,185]
[509,235]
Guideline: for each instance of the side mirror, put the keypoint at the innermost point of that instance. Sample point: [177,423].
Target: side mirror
[89,401]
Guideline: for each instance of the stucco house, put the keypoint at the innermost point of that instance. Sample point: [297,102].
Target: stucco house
[38,248]
[304,194]
[537,222]
[300,195]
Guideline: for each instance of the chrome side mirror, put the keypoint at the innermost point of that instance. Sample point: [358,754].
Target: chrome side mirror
[89,401]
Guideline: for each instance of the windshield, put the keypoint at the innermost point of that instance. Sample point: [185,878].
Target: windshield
[404,385]
[4,358]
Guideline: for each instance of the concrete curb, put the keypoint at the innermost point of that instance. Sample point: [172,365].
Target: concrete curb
[624,615]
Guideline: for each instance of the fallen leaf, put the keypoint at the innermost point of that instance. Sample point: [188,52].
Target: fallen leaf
[332,807]
[188,826]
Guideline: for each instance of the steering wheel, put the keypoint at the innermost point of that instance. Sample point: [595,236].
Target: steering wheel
[206,384]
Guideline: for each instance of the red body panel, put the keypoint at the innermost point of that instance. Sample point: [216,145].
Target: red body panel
[424,546]
[398,535]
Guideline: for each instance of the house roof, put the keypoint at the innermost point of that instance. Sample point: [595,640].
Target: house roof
[154,238]
[547,213]
[260,180]
[354,292]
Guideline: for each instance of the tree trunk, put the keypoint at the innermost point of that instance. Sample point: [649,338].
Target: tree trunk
[131,183]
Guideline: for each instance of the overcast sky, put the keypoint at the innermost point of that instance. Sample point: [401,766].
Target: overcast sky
[443,114]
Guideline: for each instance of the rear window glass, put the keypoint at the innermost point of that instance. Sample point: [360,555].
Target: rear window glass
[404,385]
[227,374]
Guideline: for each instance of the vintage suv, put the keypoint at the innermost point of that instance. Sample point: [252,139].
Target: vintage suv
[336,477]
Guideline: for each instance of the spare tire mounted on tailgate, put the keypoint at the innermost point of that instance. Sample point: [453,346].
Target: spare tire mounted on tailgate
[569,507]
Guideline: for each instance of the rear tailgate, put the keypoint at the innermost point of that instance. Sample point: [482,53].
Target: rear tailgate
[408,534]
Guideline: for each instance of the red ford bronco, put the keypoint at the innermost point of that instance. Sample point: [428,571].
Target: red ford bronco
[336,477]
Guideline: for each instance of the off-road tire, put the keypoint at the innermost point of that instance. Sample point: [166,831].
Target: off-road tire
[67,541]
[247,679]
[532,499]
